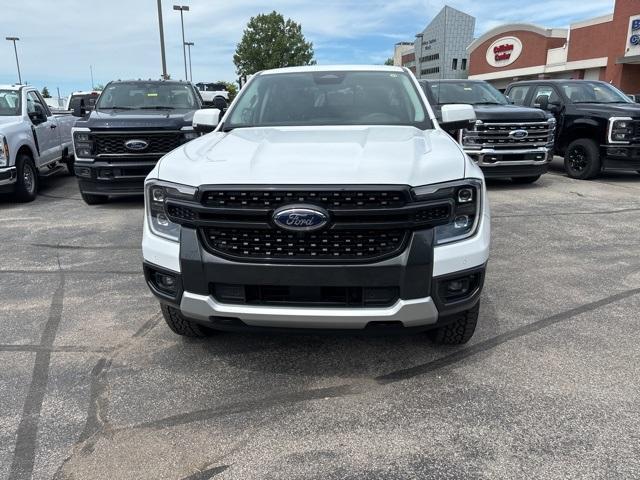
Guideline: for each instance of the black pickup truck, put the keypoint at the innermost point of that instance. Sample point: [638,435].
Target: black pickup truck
[134,123]
[507,141]
[598,125]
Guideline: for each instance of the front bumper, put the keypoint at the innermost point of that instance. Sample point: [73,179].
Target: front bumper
[496,163]
[114,177]
[418,274]
[8,178]
[621,157]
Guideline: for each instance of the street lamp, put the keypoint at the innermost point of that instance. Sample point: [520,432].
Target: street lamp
[14,39]
[183,8]
[164,60]
[189,45]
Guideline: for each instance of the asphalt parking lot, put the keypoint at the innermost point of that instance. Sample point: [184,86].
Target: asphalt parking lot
[95,386]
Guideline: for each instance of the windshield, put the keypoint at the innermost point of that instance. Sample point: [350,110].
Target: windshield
[593,92]
[329,98]
[147,95]
[9,103]
[86,100]
[473,93]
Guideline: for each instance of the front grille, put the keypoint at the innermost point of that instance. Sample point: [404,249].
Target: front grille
[496,135]
[114,143]
[345,199]
[332,245]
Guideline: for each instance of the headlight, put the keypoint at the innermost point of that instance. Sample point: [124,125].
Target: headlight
[156,195]
[620,129]
[467,200]
[4,152]
[552,130]
[83,144]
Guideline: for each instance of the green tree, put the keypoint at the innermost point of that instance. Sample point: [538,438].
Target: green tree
[231,88]
[45,93]
[389,61]
[270,41]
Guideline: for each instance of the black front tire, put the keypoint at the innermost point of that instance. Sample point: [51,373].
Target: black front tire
[526,180]
[459,328]
[27,181]
[91,199]
[181,325]
[582,159]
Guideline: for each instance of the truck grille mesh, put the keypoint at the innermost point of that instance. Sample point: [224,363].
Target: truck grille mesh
[326,245]
[496,135]
[159,143]
[327,199]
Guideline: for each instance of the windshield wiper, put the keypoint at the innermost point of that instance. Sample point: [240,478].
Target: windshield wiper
[158,107]
[488,103]
[116,108]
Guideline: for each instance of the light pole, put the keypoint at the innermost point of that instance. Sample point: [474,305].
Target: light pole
[91,70]
[189,45]
[183,8]
[164,60]
[15,49]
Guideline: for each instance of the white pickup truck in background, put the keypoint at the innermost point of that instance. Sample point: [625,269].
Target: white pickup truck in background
[213,94]
[34,141]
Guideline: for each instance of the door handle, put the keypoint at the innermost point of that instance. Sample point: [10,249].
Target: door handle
[53,126]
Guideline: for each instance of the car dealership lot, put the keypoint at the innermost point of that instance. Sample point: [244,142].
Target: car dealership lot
[94,385]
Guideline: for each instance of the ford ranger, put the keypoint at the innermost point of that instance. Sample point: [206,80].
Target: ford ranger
[326,198]
[132,125]
[34,142]
[507,141]
[598,125]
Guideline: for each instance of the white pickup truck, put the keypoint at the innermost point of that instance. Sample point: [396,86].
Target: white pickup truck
[34,142]
[213,94]
[326,198]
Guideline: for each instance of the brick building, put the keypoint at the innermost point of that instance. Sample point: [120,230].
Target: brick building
[603,48]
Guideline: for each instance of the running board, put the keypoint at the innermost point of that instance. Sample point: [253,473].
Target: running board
[53,171]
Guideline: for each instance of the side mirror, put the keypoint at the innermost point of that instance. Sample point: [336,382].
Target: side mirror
[37,117]
[542,101]
[458,116]
[79,111]
[206,120]
[509,100]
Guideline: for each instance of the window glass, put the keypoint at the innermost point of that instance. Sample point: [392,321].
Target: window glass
[9,103]
[147,95]
[464,64]
[454,64]
[34,104]
[468,92]
[518,94]
[329,98]
[593,92]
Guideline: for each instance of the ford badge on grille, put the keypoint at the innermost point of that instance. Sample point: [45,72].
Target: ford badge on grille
[136,145]
[301,218]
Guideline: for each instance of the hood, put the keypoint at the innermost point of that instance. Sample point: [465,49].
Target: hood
[508,113]
[504,113]
[149,119]
[9,121]
[610,109]
[317,155]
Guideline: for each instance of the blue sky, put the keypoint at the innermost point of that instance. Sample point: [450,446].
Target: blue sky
[61,38]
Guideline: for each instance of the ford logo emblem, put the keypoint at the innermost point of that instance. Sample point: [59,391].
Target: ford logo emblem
[136,145]
[519,134]
[300,218]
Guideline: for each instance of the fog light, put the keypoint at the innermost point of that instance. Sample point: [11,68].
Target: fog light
[83,172]
[458,287]
[462,221]
[165,282]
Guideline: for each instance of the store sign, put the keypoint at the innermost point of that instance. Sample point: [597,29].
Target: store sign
[504,51]
[633,42]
